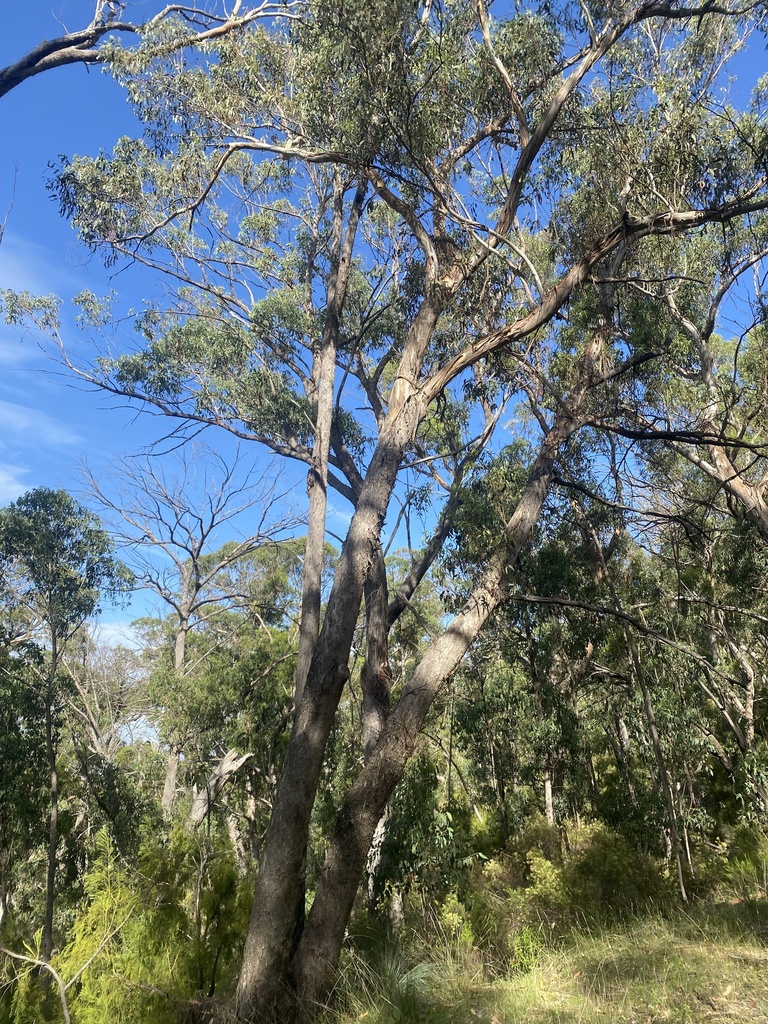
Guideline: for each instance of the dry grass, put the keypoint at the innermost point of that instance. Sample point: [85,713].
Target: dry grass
[697,969]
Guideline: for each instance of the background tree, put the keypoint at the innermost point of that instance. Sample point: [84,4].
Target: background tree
[58,564]
[23,758]
[167,523]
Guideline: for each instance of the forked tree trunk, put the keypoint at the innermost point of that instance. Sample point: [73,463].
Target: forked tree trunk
[268,951]
[318,953]
[265,976]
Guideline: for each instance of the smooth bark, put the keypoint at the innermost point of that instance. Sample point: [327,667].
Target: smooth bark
[323,387]
[267,951]
[204,800]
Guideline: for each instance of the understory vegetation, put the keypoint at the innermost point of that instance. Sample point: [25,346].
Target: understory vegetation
[564,925]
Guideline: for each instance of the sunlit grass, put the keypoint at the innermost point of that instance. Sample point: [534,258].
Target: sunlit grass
[703,966]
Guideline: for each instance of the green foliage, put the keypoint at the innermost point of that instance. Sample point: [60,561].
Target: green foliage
[607,878]
[146,942]
[22,756]
[61,559]
[744,875]
[427,844]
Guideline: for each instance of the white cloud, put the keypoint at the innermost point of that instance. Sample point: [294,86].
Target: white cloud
[117,634]
[35,427]
[27,266]
[11,482]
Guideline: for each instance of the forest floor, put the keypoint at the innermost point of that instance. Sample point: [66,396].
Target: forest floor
[703,967]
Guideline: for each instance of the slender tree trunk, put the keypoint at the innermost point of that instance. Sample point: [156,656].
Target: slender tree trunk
[46,946]
[171,780]
[549,804]
[376,676]
[323,380]
[376,682]
[170,786]
[217,779]
[5,864]
[666,786]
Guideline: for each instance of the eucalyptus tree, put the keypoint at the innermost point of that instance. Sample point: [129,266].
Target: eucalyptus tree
[22,764]
[711,566]
[381,224]
[57,564]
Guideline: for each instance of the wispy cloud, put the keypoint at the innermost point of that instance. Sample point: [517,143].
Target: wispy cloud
[17,351]
[12,483]
[117,634]
[27,266]
[27,424]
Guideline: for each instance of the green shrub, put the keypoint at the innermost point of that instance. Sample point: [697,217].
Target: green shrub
[605,877]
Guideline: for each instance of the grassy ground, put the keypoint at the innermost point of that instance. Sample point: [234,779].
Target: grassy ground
[705,967]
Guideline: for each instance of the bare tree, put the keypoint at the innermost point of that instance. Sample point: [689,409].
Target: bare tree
[168,523]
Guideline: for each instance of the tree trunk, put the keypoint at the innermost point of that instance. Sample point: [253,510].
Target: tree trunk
[266,974]
[267,953]
[214,784]
[666,787]
[46,945]
[376,676]
[319,950]
[5,864]
[549,804]
[170,784]
[323,380]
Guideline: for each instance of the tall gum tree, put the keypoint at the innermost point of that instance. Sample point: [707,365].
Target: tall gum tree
[516,197]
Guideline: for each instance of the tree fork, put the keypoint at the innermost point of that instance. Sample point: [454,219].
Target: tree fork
[318,952]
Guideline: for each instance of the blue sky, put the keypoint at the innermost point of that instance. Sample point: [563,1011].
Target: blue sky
[47,424]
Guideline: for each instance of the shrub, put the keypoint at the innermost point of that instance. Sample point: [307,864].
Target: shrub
[605,877]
